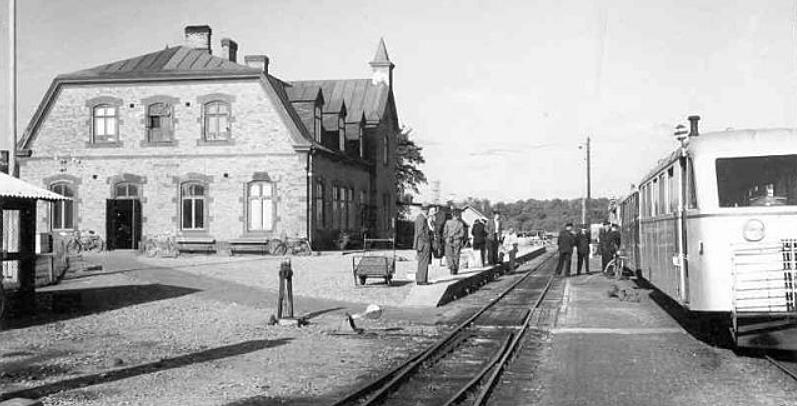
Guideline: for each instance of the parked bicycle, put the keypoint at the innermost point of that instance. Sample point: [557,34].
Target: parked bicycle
[162,245]
[84,241]
[291,246]
[615,267]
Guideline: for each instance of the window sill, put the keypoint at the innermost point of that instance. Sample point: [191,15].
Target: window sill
[106,144]
[147,144]
[203,142]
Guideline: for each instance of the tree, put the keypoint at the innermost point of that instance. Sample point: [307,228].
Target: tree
[409,157]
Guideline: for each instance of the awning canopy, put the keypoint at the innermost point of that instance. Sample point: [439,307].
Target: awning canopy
[16,188]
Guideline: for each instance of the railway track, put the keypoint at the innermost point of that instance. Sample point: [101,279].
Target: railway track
[789,367]
[463,366]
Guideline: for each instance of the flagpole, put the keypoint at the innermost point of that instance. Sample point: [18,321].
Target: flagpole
[12,86]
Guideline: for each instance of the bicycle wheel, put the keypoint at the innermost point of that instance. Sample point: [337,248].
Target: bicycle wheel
[73,247]
[150,248]
[611,268]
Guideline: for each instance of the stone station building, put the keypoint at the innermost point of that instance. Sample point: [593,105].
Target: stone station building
[184,142]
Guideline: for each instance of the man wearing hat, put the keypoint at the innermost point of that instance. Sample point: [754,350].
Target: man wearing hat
[566,242]
[454,237]
[422,244]
[495,230]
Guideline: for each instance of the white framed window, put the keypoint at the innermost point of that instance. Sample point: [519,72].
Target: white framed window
[260,207]
[341,134]
[320,202]
[193,206]
[216,120]
[317,124]
[62,212]
[104,124]
[160,123]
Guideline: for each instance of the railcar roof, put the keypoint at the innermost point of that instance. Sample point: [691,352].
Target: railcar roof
[745,142]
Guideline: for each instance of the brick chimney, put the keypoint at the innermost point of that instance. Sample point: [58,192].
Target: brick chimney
[198,37]
[229,50]
[693,131]
[258,62]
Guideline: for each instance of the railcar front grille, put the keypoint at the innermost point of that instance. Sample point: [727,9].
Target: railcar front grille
[765,277]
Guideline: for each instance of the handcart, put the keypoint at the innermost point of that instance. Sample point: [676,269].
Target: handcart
[377,260]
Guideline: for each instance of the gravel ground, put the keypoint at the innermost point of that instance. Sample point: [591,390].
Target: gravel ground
[161,343]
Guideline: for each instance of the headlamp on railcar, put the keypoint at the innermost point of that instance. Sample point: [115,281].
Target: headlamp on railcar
[754,230]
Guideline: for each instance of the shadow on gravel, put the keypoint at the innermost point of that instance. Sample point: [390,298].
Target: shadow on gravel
[148,368]
[52,306]
[263,400]
[712,329]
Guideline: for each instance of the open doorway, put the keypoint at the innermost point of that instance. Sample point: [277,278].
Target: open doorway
[123,218]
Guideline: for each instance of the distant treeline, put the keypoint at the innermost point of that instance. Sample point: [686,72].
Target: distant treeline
[549,215]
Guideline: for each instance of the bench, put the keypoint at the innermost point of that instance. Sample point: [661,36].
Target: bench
[195,244]
[249,245]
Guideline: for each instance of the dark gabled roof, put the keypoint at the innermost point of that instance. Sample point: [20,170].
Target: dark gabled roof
[359,95]
[178,60]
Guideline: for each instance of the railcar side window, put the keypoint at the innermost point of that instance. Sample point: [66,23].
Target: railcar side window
[691,192]
[757,181]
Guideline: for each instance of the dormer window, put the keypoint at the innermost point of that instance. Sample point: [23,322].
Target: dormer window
[385,150]
[361,137]
[341,134]
[318,127]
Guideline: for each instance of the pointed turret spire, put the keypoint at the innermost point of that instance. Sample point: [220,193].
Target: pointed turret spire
[381,65]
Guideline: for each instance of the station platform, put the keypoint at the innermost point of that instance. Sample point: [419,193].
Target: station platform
[444,287]
[604,350]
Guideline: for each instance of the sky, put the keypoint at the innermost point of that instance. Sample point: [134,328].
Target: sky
[499,94]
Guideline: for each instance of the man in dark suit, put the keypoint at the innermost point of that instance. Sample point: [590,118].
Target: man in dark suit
[479,239]
[582,245]
[605,245]
[566,242]
[422,244]
[495,230]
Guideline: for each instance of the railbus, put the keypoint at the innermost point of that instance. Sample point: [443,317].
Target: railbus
[714,227]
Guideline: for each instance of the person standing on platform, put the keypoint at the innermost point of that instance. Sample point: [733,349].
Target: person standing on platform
[479,240]
[454,237]
[566,242]
[494,230]
[582,245]
[422,244]
[439,247]
[604,245]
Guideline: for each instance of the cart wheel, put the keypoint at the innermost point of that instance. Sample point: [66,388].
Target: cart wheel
[362,280]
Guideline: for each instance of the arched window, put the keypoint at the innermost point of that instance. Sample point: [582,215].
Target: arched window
[104,127]
[62,212]
[192,196]
[341,134]
[160,123]
[260,208]
[317,125]
[216,121]
[385,150]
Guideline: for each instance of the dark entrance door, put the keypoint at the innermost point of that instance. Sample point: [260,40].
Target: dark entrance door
[123,223]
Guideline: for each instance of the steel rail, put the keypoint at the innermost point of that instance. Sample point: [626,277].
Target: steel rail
[488,386]
[389,379]
[782,367]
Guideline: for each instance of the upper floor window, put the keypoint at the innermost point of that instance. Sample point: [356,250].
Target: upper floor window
[260,196]
[385,150]
[62,214]
[192,196]
[216,121]
[160,123]
[104,124]
[361,138]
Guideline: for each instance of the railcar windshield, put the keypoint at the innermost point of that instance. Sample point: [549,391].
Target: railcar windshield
[757,181]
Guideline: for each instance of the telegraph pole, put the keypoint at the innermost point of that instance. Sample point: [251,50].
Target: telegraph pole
[586,199]
[12,86]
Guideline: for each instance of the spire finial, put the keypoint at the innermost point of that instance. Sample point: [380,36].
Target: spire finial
[381,57]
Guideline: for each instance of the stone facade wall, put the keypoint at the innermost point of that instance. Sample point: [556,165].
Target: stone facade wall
[260,143]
